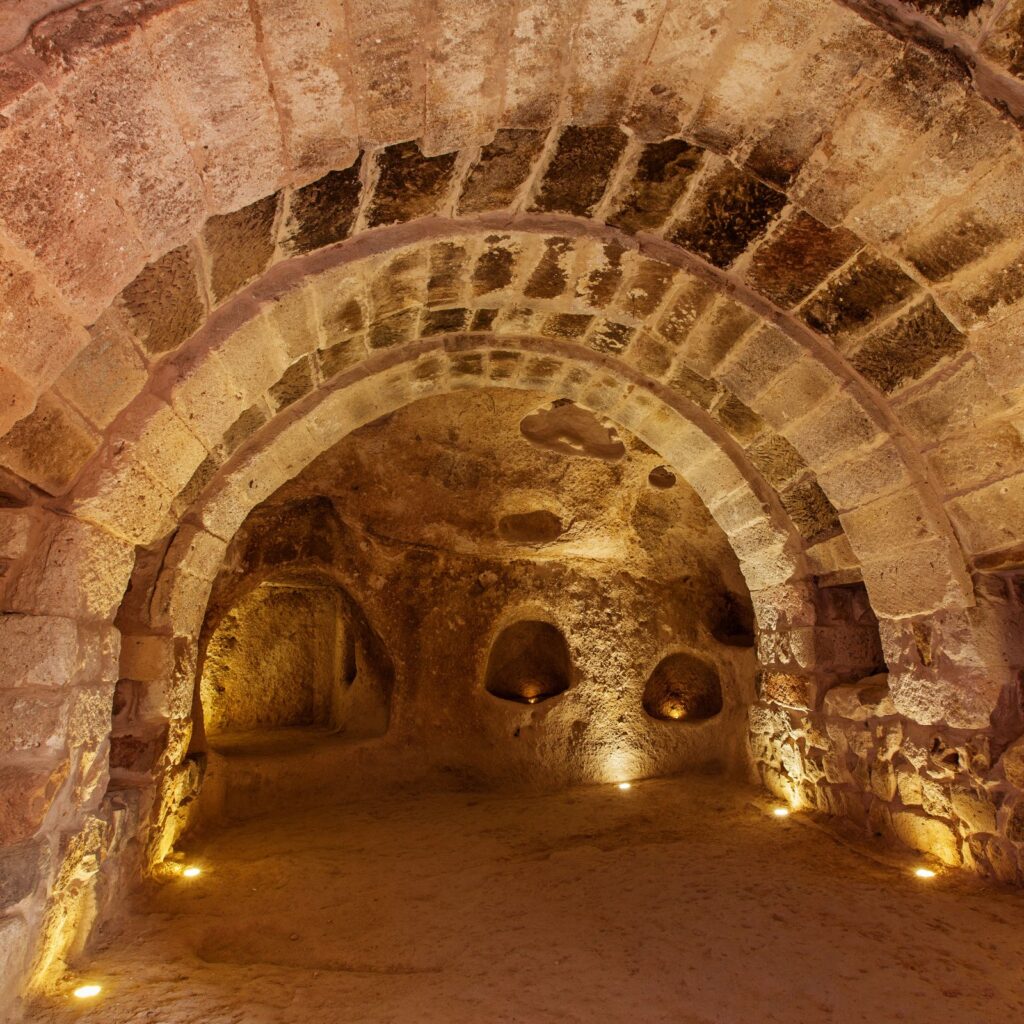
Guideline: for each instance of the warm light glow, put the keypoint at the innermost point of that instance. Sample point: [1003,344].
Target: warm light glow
[781,812]
[87,991]
[924,872]
[192,872]
[625,785]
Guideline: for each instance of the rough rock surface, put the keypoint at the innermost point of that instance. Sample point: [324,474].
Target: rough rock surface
[433,906]
[780,244]
[409,517]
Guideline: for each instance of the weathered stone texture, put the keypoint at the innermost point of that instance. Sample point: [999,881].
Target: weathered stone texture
[409,184]
[298,380]
[869,289]
[40,337]
[51,209]
[163,305]
[19,873]
[104,78]
[496,265]
[460,67]
[660,179]
[324,211]
[908,347]
[728,211]
[551,275]
[386,43]
[312,87]
[498,176]
[800,255]
[207,57]
[106,375]
[577,175]
[25,796]
[240,245]
[48,447]
[444,321]
[670,83]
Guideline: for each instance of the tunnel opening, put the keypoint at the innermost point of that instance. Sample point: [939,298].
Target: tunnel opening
[345,639]
[290,654]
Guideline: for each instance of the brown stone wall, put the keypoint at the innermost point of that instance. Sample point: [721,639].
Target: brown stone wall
[273,660]
[955,794]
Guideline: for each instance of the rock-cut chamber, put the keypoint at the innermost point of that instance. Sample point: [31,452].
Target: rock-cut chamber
[476,584]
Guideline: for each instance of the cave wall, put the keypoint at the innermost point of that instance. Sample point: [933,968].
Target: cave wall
[273,660]
[803,242]
[438,615]
[617,628]
[410,518]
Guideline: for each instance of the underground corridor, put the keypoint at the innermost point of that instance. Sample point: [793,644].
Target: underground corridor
[469,720]
[511,511]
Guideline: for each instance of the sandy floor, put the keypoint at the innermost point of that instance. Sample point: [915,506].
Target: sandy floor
[679,901]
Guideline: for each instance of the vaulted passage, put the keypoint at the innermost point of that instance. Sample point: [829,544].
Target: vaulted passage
[507,508]
[376,622]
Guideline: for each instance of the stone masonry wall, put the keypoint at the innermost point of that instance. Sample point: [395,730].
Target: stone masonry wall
[954,794]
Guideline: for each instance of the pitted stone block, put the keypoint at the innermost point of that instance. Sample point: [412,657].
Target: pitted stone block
[908,347]
[866,291]
[580,168]
[409,184]
[324,211]
[240,245]
[798,256]
[729,210]
[163,305]
[50,446]
[659,182]
[499,174]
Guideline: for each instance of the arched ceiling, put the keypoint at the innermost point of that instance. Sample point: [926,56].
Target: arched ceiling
[781,241]
[776,223]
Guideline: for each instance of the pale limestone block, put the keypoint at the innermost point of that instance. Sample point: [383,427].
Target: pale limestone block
[39,650]
[207,398]
[927,834]
[15,530]
[303,44]
[897,520]
[860,701]
[82,572]
[207,56]
[254,357]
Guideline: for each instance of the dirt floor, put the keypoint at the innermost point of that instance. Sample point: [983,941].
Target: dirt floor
[681,900]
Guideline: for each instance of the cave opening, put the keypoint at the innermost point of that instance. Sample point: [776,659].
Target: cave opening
[378,622]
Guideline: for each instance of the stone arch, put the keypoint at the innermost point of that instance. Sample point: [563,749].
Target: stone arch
[789,632]
[298,432]
[758,370]
[61,50]
[871,166]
